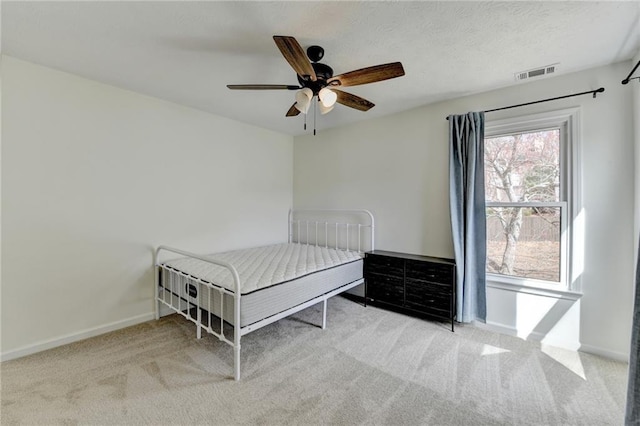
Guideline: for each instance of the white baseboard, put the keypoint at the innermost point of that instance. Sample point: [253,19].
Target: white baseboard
[538,337]
[496,327]
[617,356]
[75,337]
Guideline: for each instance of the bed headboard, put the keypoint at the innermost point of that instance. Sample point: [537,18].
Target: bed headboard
[351,230]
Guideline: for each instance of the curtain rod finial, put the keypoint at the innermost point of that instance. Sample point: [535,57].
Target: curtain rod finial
[595,92]
[628,79]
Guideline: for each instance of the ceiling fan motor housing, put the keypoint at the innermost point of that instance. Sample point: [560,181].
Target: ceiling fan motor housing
[323,73]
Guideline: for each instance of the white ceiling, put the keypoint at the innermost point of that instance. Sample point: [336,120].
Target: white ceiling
[186,52]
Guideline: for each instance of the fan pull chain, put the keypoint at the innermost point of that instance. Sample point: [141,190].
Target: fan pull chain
[305,121]
[315,108]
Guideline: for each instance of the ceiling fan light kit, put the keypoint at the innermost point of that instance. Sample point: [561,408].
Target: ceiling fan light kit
[326,100]
[327,97]
[303,100]
[324,109]
[317,80]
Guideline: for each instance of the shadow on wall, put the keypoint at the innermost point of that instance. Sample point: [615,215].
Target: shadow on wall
[532,315]
[550,319]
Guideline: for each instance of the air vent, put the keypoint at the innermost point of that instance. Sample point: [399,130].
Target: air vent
[537,72]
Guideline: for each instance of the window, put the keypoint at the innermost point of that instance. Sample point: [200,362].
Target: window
[529,190]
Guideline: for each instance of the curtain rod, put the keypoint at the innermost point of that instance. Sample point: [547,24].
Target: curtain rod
[600,90]
[628,79]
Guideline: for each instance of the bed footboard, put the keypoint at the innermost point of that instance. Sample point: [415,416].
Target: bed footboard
[186,299]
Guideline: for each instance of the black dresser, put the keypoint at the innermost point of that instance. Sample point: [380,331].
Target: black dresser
[412,284]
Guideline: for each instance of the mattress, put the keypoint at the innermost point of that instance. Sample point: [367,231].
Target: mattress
[273,279]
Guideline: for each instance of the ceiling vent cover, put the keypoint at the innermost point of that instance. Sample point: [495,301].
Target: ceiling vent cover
[537,72]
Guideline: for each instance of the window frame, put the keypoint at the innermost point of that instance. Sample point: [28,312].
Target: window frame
[568,121]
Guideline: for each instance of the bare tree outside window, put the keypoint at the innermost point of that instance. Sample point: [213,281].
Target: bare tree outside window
[522,179]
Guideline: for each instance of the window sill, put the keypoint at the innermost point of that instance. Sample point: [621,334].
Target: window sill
[521,286]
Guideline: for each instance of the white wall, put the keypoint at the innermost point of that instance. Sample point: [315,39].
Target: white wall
[94,177]
[635,88]
[397,166]
[86,196]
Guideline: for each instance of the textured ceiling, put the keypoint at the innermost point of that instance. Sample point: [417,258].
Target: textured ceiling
[186,52]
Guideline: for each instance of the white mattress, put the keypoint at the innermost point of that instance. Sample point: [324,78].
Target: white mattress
[273,279]
[263,267]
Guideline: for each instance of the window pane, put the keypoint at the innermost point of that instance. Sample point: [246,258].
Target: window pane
[524,242]
[523,167]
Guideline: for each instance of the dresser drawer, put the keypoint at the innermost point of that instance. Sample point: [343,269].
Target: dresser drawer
[423,297]
[385,288]
[419,286]
[384,265]
[427,271]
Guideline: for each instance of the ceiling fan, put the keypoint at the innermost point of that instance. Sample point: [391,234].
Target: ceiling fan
[317,80]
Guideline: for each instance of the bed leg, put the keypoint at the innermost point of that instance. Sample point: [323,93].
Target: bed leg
[156,290]
[324,314]
[236,362]
[199,324]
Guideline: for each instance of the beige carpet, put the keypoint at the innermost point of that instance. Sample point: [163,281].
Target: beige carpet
[369,366]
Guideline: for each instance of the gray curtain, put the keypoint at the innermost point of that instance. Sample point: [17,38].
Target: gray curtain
[468,216]
[633,391]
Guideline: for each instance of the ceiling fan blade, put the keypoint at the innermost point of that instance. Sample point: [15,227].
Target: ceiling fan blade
[368,75]
[293,53]
[353,101]
[293,111]
[262,87]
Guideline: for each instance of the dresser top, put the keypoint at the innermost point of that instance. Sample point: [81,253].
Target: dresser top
[411,256]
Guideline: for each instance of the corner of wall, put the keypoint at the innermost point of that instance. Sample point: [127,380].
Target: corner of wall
[636,126]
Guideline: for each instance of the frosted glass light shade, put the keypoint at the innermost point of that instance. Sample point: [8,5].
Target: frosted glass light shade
[324,109]
[327,97]
[303,108]
[303,100]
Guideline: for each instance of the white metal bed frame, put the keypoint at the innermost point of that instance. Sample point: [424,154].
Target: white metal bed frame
[299,232]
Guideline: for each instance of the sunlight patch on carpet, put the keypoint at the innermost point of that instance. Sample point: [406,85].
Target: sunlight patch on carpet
[492,350]
[570,359]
